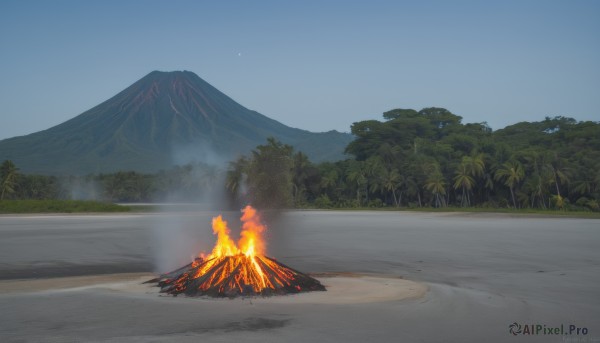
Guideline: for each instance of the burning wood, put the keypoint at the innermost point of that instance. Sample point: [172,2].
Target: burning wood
[237,270]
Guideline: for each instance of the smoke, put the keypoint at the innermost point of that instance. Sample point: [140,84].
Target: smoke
[182,230]
[241,196]
[202,152]
[82,188]
[177,238]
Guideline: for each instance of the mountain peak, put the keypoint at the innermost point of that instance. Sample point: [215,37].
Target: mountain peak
[175,74]
[164,118]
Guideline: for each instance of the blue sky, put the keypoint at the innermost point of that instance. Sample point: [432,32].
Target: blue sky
[315,65]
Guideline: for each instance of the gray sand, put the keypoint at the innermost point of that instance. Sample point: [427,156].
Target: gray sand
[482,272]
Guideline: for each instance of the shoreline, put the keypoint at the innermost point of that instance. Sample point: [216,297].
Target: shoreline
[459,212]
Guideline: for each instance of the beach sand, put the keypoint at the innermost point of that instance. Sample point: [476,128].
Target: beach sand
[341,289]
[409,277]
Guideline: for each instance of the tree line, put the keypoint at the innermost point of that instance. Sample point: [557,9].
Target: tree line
[428,158]
[180,183]
[425,158]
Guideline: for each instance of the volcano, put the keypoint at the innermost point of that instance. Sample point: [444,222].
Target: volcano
[163,119]
[236,270]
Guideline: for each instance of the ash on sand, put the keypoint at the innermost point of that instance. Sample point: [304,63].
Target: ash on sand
[233,276]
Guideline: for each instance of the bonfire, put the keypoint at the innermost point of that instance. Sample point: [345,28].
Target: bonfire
[240,269]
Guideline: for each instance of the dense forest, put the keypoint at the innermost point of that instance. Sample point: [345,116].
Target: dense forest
[425,158]
[182,183]
[428,158]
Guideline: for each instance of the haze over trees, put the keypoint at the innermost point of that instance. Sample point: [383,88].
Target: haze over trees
[8,176]
[425,158]
[180,183]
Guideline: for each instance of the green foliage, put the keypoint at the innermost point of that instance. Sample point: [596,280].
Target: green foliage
[8,177]
[273,176]
[436,184]
[511,173]
[438,161]
[191,182]
[126,186]
[270,175]
[413,159]
[323,201]
[400,113]
[58,206]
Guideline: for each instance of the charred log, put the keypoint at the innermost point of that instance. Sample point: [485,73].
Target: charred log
[233,276]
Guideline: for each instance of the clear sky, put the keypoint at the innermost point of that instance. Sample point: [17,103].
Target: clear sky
[315,65]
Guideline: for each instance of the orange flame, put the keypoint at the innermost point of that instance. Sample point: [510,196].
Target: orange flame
[224,246]
[251,242]
[250,245]
[238,269]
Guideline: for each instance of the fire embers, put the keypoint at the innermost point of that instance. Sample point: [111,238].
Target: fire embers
[237,270]
[239,275]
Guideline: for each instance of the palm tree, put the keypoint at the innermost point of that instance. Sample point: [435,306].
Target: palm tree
[436,184]
[534,186]
[560,173]
[356,174]
[8,177]
[269,175]
[412,188]
[464,180]
[488,183]
[584,185]
[390,181]
[372,167]
[511,173]
[475,164]
[389,154]
[417,168]
[235,175]
[330,179]
[300,166]
[597,176]
[402,183]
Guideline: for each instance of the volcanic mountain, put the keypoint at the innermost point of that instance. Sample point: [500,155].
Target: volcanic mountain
[165,118]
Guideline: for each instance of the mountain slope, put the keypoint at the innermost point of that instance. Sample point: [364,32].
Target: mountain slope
[165,118]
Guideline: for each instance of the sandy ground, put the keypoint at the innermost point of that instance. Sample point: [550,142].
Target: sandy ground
[410,277]
[341,289]
[105,281]
[119,307]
